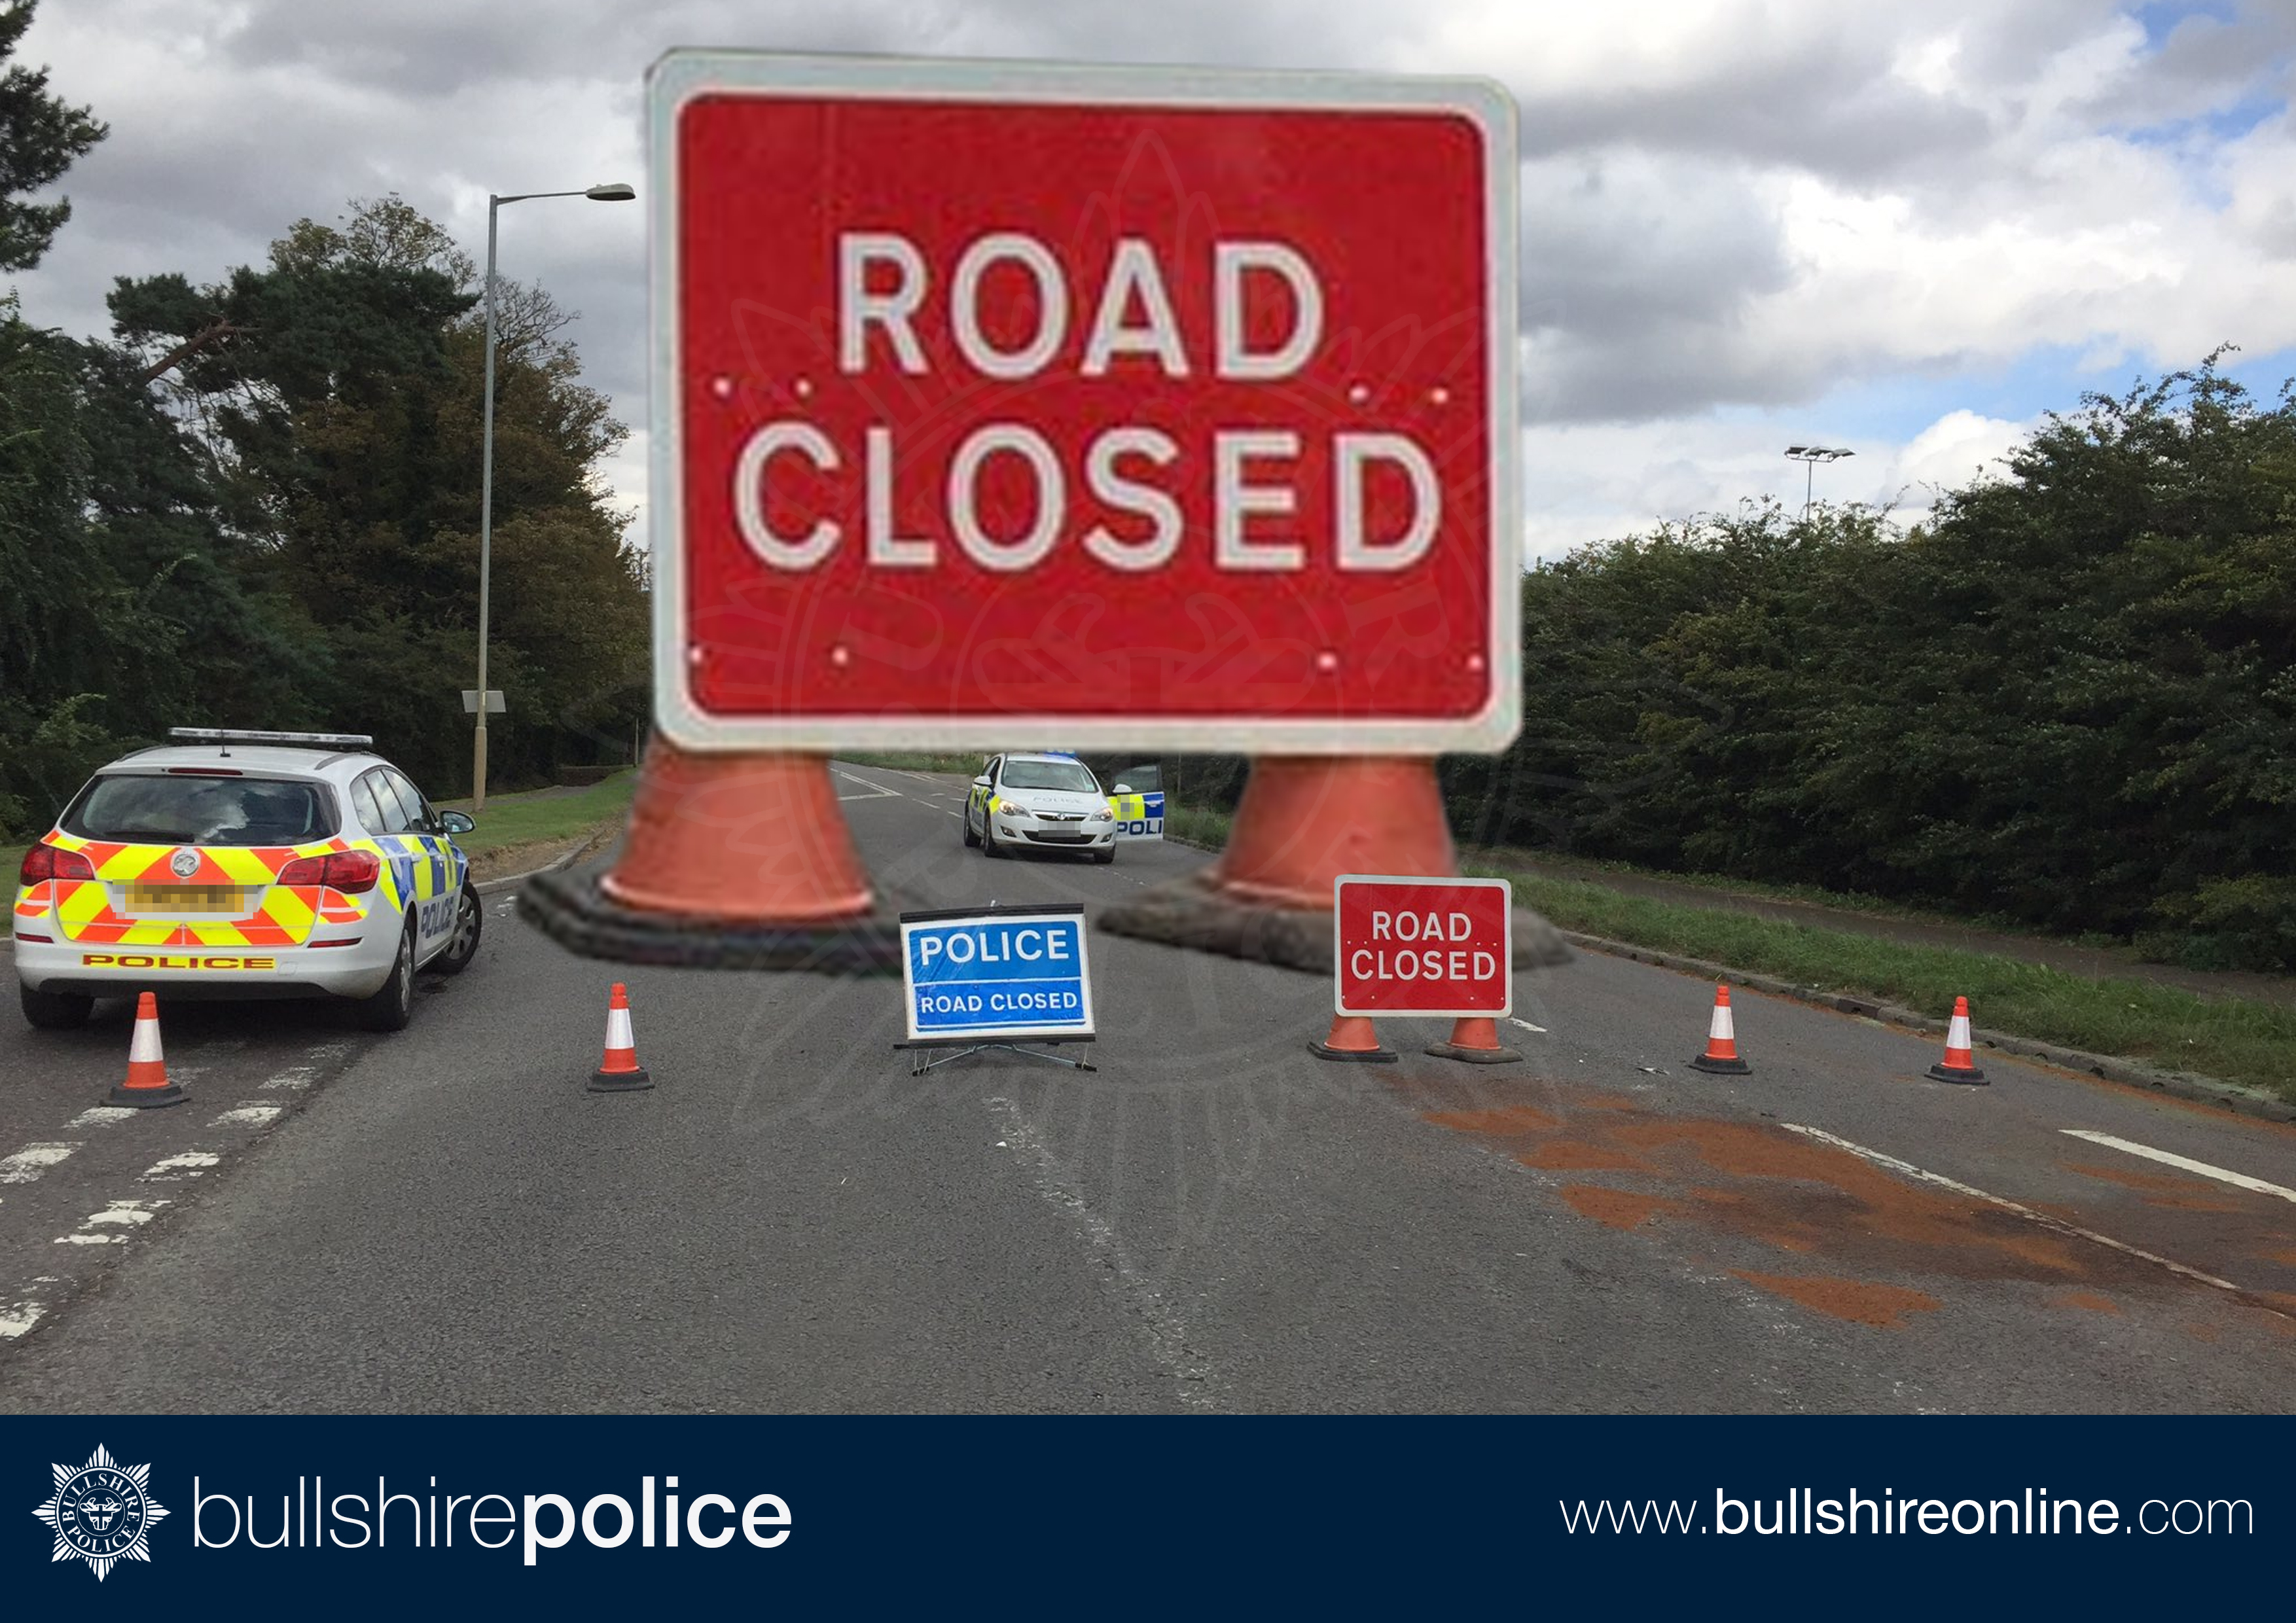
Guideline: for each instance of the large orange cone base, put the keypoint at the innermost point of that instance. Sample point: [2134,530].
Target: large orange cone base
[1476,1042]
[1301,823]
[732,861]
[1352,1037]
[147,1085]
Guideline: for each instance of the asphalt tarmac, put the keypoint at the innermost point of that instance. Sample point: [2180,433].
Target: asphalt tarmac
[445,1220]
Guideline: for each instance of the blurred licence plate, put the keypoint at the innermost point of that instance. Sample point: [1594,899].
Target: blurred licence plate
[230,899]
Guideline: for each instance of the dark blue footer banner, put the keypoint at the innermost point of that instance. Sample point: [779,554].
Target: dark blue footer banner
[1115,1517]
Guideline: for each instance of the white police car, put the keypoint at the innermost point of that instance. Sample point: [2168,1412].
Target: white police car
[1049,801]
[244,864]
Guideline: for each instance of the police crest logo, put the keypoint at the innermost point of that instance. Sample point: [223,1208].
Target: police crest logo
[184,863]
[103,1512]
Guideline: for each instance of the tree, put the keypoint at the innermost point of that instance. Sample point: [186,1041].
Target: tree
[40,137]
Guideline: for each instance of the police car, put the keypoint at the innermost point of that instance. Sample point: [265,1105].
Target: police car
[244,864]
[1045,800]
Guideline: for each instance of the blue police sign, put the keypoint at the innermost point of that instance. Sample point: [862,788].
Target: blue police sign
[997,972]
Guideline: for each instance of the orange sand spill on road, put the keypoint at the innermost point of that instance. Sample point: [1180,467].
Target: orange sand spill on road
[2149,1183]
[1570,1155]
[2088,1299]
[1504,1122]
[1617,1207]
[1884,1307]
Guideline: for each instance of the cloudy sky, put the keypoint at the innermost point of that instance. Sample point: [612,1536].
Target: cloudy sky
[1907,227]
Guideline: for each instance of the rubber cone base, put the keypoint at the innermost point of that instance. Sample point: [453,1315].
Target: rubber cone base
[574,910]
[620,1081]
[1360,1056]
[1197,913]
[1968,1074]
[1476,1056]
[145,1098]
[1722,1068]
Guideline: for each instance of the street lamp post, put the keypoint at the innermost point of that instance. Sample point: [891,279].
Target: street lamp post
[1809,456]
[613,193]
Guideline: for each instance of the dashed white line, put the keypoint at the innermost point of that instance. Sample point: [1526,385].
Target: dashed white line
[293,1077]
[2238,1180]
[26,1164]
[17,1317]
[250,1116]
[1526,1025]
[102,1116]
[2056,1224]
[98,1228]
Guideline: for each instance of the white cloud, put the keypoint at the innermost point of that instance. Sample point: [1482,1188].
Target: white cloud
[1733,210]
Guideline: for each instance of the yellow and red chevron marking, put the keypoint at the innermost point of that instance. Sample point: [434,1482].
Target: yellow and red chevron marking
[285,919]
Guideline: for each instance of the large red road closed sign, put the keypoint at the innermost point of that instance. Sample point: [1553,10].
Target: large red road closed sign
[1440,947]
[995,403]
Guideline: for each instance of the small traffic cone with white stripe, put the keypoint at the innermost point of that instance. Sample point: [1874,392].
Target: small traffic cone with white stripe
[147,1086]
[619,1072]
[1959,1065]
[1352,1037]
[1721,1055]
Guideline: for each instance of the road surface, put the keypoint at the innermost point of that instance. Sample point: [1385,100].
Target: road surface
[445,1220]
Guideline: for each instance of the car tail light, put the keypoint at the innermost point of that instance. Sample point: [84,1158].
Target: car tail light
[53,861]
[203,772]
[348,872]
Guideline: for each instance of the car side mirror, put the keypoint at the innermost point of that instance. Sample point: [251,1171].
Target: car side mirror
[456,823]
[1121,789]
[982,781]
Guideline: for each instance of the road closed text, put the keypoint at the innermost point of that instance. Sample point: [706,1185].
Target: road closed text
[1119,490]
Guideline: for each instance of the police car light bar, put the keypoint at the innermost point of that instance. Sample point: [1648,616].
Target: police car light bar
[230,735]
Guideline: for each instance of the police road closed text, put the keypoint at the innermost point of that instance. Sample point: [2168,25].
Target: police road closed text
[1021,971]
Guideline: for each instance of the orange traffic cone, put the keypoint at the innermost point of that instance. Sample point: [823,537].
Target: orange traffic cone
[1477,1042]
[1352,1037]
[619,1072]
[147,1085]
[1958,1064]
[739,860]
[1721,1055]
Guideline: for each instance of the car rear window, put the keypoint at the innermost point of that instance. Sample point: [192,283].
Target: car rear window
[1050,774]
[154,810]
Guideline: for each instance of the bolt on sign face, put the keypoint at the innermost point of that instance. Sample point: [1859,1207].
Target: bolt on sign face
[1434,947]
[1135,406]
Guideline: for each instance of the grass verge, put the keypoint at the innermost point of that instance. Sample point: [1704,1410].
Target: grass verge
[522,831]
[2233,1039]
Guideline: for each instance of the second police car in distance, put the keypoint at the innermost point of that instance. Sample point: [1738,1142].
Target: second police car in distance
[244,864]
[1049,801]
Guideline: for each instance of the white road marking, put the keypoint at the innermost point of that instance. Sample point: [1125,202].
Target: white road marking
[2238,1180]
[2056,1225]
[190,1163]
[125,1214]
[294,1077]
[250,1116]
[878,792]
[18,1317]
[1526,1025]
[1167,1335]
[102,1116]
[91,1240]
[28,1163]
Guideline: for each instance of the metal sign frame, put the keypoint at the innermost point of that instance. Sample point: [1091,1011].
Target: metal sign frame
[683,75]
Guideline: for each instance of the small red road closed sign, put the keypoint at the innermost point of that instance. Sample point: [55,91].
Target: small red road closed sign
[1435,946]
[1137,406]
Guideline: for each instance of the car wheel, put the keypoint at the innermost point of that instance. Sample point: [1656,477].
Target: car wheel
[393,1004]
[469,914]
[965,823]
[988,846]
[54,1011]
